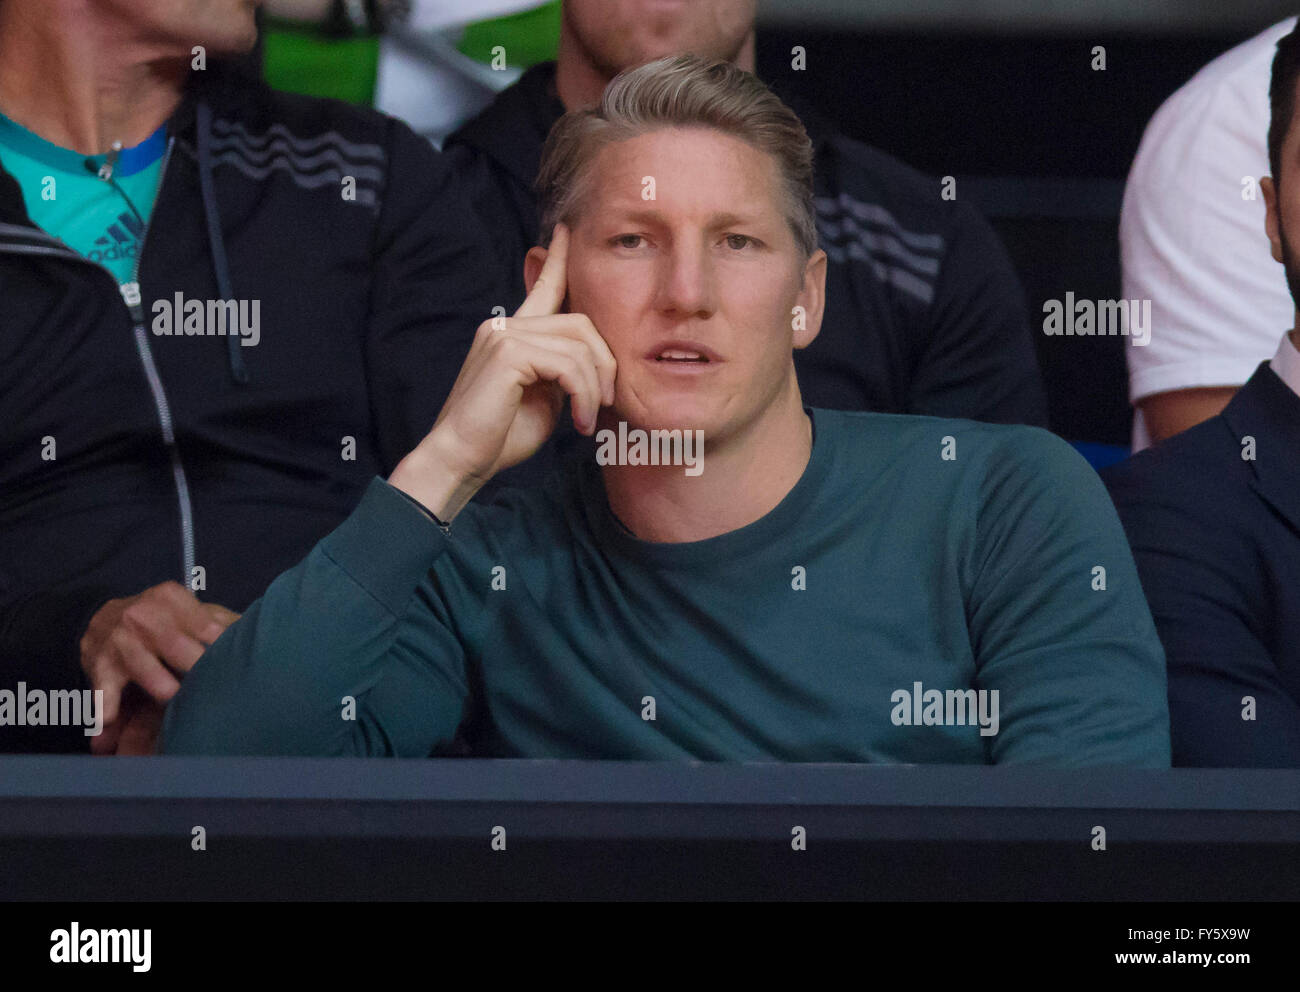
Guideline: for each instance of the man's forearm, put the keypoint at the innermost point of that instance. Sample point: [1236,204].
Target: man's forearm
[292,676]
[427,478]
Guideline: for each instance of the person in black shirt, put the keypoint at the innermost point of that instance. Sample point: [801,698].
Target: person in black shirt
[152,484]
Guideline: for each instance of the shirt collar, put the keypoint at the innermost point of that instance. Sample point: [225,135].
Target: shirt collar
[1286,363]
[131,160]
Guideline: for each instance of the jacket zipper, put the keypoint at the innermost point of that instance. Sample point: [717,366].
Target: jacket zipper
[130,293]
[133,301]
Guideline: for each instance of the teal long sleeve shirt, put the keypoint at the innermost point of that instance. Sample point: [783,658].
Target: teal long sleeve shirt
[916,558]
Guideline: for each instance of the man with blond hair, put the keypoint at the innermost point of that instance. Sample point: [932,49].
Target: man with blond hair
[924,311]
[830,586]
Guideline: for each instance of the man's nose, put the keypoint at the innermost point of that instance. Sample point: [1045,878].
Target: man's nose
[686,279]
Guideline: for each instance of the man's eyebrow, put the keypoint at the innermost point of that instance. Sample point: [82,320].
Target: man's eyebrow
[655,217]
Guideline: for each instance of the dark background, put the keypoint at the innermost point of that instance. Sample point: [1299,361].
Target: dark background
[1036,138]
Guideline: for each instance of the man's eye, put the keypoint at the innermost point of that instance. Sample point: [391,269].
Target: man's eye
[738,242]
[628,240]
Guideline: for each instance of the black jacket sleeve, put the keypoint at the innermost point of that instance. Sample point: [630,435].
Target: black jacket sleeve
[40,645]
[433,285]
[1199,574]
[980,361]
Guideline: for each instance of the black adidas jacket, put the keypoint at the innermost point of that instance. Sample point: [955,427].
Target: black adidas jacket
[184,452]
[924,312]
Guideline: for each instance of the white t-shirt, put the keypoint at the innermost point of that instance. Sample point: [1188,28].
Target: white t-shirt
[1191,241]
[425,81]
[1286,363]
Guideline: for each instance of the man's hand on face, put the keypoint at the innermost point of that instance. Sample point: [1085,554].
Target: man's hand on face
[507,399]
[146,640]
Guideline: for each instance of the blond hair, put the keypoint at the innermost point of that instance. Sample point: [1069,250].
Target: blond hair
[679,91]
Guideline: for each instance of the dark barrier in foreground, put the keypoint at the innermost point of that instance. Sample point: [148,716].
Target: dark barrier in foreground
[113,829]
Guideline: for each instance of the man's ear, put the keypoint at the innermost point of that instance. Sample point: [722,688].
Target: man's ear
[811,301]
[533,263]
[1272,218]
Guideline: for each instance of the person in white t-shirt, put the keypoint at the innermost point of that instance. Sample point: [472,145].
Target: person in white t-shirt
[1213,518]
[1190,241]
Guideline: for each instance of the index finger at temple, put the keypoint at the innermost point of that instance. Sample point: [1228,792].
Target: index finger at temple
[547,293]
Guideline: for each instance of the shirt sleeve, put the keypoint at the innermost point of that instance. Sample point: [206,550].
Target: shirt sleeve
[1058,622]
[346,654]
[980,362]
[1192,238]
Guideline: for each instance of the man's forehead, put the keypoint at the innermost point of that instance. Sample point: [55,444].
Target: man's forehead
[692,168]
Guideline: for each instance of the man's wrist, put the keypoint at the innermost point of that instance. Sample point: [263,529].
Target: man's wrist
[428,480]
[442,525]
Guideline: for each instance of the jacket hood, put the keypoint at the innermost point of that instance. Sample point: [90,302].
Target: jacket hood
[513,127]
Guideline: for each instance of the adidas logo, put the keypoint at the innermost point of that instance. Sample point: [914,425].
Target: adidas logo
[116,252]
[121,240]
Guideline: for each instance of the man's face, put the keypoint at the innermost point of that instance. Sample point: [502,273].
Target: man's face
[619,34]
[220,26]
[1282,205]
[707,269]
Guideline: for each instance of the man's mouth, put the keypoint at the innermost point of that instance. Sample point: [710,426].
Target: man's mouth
[683,352]
[673,355]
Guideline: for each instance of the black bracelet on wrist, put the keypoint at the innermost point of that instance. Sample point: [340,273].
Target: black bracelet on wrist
[443,525]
